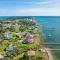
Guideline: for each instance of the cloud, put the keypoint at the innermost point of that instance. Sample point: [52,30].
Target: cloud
[38,12]
[44,2]
[31,12]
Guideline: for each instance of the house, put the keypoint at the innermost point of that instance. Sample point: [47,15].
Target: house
[43,50]
[30,53]
[17,34]
[28,38]
[1,57]
[6,35]
[10,47]
[0,25]
[35,30]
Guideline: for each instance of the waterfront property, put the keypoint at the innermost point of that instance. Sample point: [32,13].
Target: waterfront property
[20,40]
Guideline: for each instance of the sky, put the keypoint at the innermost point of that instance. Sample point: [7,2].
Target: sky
[29,7]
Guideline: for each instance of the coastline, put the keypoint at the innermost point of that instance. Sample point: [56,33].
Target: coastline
[36,46]
[50,54]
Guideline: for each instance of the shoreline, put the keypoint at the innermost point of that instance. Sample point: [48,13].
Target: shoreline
[49,54]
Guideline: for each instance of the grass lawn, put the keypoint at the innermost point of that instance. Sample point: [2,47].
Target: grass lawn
[25,45]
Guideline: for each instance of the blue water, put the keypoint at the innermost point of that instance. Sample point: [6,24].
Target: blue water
[50,29]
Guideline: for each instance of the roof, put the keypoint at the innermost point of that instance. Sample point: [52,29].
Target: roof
[0,24]
[30,53]
[5,34]
[10,47]
[43,49]
[1,56]
[28,39]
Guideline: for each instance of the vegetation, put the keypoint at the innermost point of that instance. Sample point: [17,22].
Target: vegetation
[17,30]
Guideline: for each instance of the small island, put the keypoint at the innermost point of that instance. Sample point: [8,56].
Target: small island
[20,40]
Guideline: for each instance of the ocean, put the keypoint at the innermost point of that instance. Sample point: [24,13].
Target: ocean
[50,31]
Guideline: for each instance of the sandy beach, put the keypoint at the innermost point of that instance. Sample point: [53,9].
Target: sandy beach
[49,54]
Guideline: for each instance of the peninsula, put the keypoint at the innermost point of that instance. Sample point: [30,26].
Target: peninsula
[20,40]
